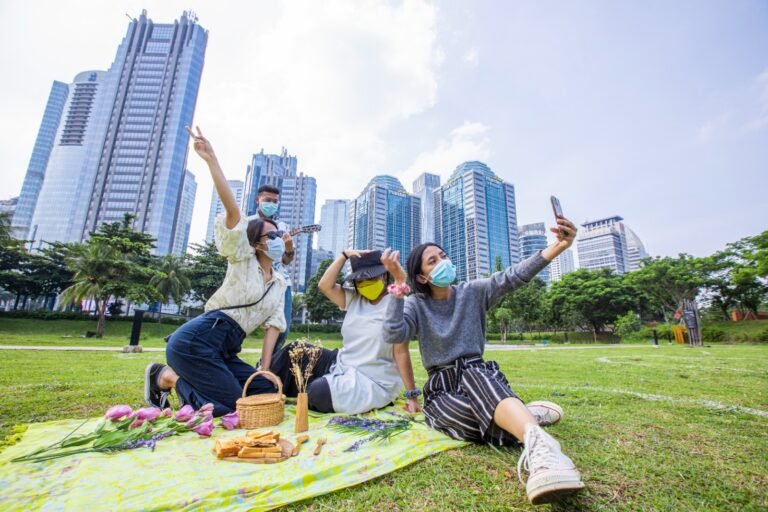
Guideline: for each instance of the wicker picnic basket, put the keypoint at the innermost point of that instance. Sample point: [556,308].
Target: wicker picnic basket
[262,410]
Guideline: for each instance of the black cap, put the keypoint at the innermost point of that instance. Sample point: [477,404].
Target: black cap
[367,266]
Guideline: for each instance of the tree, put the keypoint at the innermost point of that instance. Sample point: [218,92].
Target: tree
[318,305]
[504,319]
[598,296]
[14,260]
[206,269]
[668,281]
[524,305]
[96,267]
[627,324]
[171,280]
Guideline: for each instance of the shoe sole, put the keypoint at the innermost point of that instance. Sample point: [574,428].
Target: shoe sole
[554,491]
[147,385]
[552,407]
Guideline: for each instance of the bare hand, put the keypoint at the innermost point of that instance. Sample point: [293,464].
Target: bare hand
[270,377]
[565,232]
[391,261]
[288,239]
[412,406]
[201,145]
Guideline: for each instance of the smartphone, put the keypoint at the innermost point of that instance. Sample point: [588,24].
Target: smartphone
[557,209]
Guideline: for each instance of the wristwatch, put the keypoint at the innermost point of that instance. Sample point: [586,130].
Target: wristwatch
[412,393]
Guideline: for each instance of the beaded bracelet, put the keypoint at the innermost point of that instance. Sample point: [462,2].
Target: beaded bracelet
[412,393]
[399,290]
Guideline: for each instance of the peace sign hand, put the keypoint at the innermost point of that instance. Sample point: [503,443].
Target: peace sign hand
[201,145]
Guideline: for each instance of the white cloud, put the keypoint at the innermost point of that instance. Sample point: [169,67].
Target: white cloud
[469,141]
[326,80]
[472,57]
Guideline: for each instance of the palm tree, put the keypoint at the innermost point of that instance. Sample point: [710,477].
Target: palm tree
[171,280]
[96,266]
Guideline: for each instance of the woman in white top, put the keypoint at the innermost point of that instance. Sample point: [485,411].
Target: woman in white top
[366,373]
[203,365]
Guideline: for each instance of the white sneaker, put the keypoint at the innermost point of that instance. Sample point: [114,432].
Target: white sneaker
[546,413]
[551,475]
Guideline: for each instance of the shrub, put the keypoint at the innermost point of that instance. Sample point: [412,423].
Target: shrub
[712,334]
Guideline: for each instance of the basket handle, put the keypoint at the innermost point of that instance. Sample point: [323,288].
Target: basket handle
[279,382]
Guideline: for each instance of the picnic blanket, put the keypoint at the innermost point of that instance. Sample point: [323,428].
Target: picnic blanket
[183,474]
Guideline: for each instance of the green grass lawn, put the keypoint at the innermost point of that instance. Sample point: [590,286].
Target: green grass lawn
[670,429]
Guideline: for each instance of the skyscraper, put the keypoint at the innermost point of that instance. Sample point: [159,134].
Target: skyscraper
[217,206]
[476,220]
[122,147]
[334,217]
[603,244]
[533,238]
[562,265]
[385,215]
[635,250]
[297,204]
[41,152]
[423,187]
[186,207]
[62,204]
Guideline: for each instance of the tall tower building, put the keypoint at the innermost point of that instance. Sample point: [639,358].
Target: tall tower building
[217,206]
[33,180]
[186,208]
[334,217]
[121,146]
[385,215]
[562,265]
[533,238]
[476,220]
[62,204]
[155,78]
[297,204]
[603,244]
[423,188]
[635,250]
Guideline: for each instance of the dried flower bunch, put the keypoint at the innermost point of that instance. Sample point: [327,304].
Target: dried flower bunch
[304,356]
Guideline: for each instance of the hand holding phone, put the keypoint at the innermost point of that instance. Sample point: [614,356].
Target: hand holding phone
[557,209]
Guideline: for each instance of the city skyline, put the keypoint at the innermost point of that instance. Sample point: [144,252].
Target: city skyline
[646,131]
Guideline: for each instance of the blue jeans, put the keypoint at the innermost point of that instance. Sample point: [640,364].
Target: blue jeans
[288,312]
[203,352]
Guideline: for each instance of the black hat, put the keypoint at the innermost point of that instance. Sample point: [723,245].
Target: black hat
[367,266]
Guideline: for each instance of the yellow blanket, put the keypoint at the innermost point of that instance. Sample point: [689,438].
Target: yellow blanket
[183,474]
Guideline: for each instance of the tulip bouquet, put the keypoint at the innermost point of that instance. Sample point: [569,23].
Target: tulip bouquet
[125,429]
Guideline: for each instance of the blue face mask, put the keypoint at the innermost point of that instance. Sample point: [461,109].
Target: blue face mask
[444,274]
[269,209]
[275,249]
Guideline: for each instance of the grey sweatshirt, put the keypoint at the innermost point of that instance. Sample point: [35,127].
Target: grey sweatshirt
[454,328]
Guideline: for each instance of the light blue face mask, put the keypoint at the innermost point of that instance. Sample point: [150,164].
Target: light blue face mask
[269,209]
[275,249]
[444,274]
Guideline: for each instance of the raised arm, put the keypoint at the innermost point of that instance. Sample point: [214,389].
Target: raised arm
[400,322]
[328,285]
[205,150]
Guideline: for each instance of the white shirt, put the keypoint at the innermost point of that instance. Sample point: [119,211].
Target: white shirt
[365,374]
[244,282]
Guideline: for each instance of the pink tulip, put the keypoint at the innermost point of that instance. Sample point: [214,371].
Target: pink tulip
[185,413]
[167,412]
[147,413]
[230,421]
[136,423]
[205,428]
[206,408]
[118,412]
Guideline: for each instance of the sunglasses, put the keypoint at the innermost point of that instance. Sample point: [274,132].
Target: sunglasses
[274,234]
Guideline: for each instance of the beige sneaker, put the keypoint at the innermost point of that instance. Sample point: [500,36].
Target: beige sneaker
[551,475]
[546,413]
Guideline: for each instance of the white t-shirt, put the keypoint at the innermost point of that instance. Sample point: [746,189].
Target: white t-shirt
[365,375]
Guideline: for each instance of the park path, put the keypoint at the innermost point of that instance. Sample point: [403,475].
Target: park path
[488,348]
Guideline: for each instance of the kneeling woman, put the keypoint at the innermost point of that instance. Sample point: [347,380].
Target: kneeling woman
[466,397]
[203,365]
[366,373]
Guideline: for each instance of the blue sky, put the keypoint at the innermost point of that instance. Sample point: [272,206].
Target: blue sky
[656,111]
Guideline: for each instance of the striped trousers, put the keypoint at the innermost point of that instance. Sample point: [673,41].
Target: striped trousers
[460,399]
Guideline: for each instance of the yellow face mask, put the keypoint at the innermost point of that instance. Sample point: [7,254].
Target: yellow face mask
[370,288]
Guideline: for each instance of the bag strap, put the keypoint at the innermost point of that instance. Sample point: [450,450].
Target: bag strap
[246,305]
